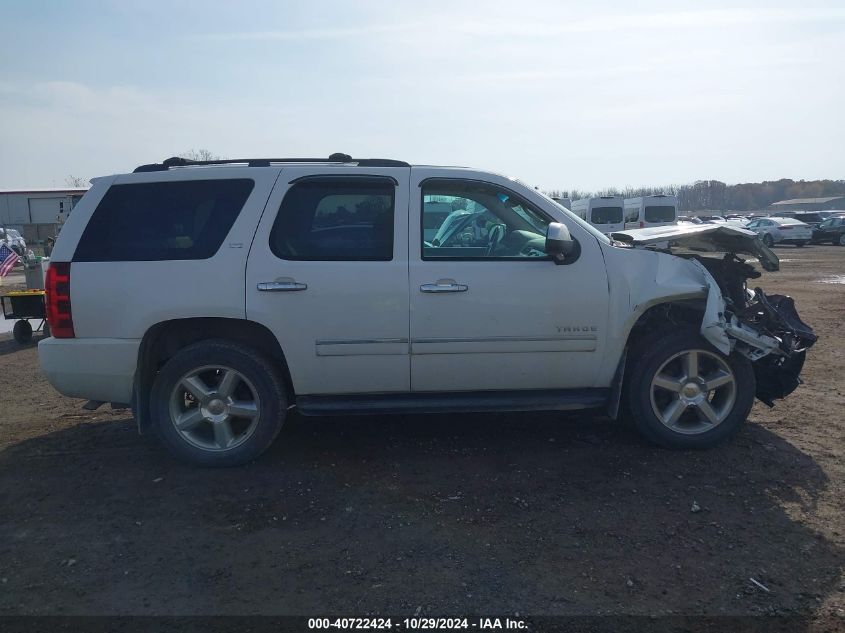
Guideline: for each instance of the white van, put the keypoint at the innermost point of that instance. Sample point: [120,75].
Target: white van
[434,217]
[603,212]
[647,211]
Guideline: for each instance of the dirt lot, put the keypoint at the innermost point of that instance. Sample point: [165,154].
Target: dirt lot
[440,515]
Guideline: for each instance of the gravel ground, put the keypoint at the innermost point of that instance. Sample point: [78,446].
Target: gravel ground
[438,515]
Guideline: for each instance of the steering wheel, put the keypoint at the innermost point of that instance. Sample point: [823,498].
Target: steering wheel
[497,234]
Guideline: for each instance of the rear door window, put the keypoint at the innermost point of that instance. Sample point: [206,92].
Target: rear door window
[177,220]
[606,215]
[336,219]
[662,213]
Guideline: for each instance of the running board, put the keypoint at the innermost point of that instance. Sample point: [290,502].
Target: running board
[454,402]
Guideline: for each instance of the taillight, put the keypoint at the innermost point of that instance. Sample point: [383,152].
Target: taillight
[786,228]
[642,224]
[58,300]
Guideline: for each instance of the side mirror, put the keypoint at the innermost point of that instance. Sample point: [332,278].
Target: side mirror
[559,244]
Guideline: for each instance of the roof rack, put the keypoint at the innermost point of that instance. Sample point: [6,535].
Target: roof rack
[338,158]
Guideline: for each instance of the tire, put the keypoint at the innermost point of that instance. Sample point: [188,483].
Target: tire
[841,241]
[768,240]
[668,356]
[22,332]
[800,244]
[228,399]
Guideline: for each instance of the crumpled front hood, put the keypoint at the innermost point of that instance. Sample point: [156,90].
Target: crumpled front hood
[719,238]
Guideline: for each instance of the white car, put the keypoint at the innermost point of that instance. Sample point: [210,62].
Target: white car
[781,231]
[214,296]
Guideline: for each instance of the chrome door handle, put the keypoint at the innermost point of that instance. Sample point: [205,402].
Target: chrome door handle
[281,286]
[438,287]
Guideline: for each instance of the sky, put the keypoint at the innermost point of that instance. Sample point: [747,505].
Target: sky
[559,94]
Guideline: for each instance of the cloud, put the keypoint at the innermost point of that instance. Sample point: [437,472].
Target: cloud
[473,26]
[311,34]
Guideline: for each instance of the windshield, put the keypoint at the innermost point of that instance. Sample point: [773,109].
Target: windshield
[606,215]
[662,213]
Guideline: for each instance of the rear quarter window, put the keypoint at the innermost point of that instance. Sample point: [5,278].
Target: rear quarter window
[178,220]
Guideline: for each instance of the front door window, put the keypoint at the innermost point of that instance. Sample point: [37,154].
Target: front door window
[472,220]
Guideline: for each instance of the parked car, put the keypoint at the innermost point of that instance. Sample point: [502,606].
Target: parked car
[212,297]
[811,218]
[830,230]
[777,230]
[14,240]
[687,220]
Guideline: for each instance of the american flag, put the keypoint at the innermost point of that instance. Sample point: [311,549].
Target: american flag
[8,259]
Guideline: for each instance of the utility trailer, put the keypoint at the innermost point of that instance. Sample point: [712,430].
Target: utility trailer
[23,306]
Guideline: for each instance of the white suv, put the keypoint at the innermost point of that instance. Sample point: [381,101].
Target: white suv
[214,296]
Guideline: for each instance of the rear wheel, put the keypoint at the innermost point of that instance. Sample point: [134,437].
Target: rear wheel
[216,403]
[768,240]
[841,240]
[685,394]
[800,244]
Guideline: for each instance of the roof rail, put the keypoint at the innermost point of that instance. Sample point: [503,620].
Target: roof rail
[339,158]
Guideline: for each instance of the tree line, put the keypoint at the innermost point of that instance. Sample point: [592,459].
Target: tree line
[716,195]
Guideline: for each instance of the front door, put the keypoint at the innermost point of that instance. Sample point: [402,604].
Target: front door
[328,275]
[489,309]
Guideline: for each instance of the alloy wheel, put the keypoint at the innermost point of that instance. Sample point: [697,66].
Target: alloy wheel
[693,391]
[215,408]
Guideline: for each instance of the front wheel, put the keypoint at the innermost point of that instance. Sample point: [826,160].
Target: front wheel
[841,240]
[685,394]
[216,403]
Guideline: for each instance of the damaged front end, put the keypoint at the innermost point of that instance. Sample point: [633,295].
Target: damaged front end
[764,328]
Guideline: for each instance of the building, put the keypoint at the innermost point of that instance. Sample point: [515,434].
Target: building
[37,213]
[808,204]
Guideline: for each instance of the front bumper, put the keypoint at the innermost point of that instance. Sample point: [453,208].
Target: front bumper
[90,368]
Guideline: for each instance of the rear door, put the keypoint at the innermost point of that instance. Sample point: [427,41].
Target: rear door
[608,217]
[328,275]
[657,214]
[632,217]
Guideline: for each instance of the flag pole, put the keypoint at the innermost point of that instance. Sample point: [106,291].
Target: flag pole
[5,241]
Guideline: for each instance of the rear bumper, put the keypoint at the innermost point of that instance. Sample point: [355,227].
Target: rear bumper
[91,368]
